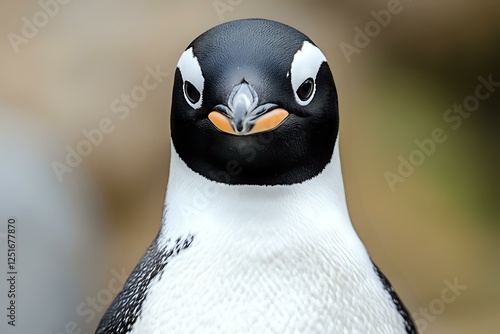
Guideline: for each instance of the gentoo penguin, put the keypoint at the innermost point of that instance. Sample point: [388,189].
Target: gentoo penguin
[256,235]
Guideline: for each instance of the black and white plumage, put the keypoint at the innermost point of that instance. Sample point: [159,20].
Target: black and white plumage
[255,202]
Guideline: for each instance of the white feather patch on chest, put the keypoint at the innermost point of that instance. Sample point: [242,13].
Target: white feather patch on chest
[281,259]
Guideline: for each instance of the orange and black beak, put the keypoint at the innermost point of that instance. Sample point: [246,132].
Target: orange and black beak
[243,116]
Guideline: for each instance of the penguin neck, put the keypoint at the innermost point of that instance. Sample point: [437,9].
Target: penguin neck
[191,198]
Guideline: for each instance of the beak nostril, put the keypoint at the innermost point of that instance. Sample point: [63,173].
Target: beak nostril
[239,126]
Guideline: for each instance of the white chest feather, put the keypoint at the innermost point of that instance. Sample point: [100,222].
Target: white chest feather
[282,259]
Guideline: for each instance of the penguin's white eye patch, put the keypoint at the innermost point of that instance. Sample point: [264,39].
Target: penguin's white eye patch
[192,77]
[305,66]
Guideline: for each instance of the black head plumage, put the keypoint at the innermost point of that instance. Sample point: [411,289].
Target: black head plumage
[254,102]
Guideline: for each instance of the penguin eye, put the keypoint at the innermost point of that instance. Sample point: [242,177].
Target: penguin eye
[305,67]
[192,78]
[191,92]
[306,89]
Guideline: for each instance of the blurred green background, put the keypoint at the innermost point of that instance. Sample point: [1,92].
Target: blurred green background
[440,224]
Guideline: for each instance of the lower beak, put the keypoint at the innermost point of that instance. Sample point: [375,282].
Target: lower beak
[243,116]
[267,122]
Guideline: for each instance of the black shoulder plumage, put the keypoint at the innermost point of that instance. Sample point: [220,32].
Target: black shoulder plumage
[408,321]
[127,306]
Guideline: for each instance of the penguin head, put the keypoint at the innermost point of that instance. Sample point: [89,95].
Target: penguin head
[254,103]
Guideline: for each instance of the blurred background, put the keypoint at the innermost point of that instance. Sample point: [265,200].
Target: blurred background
[399,67]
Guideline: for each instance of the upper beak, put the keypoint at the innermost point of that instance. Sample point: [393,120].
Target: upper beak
[243,116]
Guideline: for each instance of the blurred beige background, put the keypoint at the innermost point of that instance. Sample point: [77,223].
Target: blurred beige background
[440,225]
